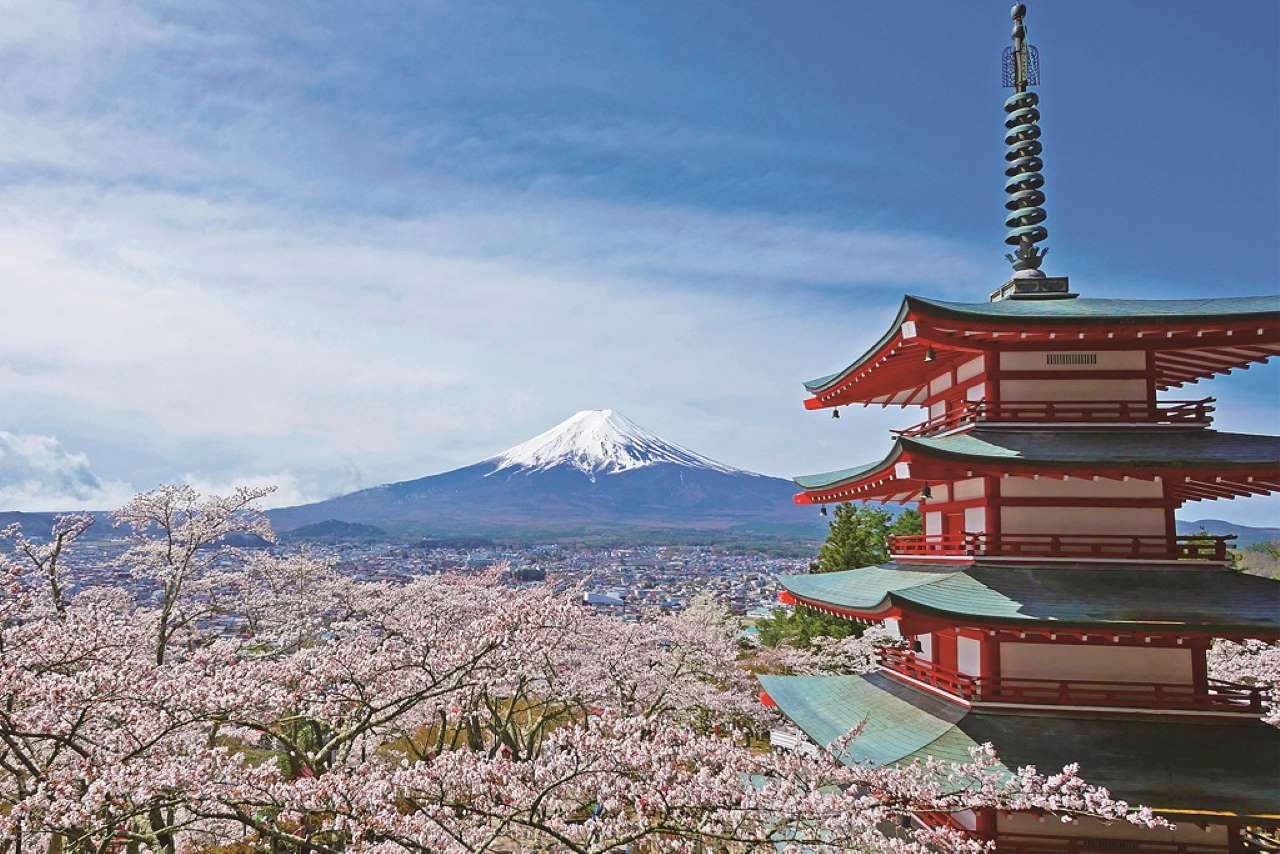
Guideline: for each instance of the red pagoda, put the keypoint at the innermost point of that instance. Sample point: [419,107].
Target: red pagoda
[1050,607]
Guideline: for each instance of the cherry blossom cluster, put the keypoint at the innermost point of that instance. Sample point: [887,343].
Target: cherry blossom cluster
[1253,662]
[265,701]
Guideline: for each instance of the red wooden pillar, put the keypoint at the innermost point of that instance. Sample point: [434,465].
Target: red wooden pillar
[985,822]
[1151,382]
[1235,839]
[989,665]
[945,652]
[1170,524]
[1200,667]
[991,365]
[992,490]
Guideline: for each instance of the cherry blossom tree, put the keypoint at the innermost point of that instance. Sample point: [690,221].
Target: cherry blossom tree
[179,536]
[45,557]
[453,713]
[852,654]
[1253,662]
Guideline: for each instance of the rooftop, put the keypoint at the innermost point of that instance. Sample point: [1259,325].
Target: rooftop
[1051,451]
[1248,326]
[1109,310]
[1105,596]
[1217,766]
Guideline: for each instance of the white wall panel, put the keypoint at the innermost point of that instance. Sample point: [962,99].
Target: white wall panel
[1145,521]
[1103,360]
[969,656]
[970,369]
[1013,391]
[975,519]
[1053,487]
[1106,663]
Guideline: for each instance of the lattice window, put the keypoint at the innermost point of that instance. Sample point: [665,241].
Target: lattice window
[1071,358]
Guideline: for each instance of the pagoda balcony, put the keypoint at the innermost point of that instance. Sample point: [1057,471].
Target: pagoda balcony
[1098,546]
[1074,413]
[920,669]
[1035,843]
[1221,697]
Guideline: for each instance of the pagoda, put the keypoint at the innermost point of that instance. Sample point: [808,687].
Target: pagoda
[1050,607]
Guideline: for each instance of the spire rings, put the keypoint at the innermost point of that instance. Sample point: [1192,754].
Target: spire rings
[1022,138]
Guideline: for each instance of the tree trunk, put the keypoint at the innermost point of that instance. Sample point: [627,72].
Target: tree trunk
[160,828]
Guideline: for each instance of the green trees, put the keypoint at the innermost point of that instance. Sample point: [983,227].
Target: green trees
[799,626]
[857,536]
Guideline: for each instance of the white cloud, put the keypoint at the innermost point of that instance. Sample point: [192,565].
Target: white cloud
[37,473]
[208,272]
[216,336]
[288,490]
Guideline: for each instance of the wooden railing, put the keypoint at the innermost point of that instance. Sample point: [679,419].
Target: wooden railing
[1091,693]
[1221,696]
[923,670]
[1178,547]
[1035,843]
[1190,413]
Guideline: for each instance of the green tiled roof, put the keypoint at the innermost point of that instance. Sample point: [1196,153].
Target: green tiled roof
[1186,764]
[900,722]
[820,481]
[1110,310]
[1112,596]
[821,383]
[1069,311]
[1136,448]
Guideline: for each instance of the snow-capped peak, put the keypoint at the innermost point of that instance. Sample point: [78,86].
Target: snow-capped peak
[600,441]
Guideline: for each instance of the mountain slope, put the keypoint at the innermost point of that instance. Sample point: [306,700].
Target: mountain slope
[600,441]
[596,472]
[1246,535]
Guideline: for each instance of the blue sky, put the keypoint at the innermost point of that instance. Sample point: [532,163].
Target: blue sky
[332,244]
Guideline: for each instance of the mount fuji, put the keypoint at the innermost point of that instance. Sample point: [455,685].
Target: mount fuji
[596,473]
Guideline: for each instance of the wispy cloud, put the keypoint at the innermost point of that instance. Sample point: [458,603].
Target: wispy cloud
[37,473]
[248,336]
[243,244]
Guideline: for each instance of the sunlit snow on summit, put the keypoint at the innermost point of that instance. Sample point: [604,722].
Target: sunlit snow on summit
[601,441]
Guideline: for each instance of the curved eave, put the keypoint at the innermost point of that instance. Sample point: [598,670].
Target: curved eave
[918,618]
[1130,312]
[914,462]
[891,372]
[1215,769]
[1190,340]
[823,383]
[874,479]
[911,603]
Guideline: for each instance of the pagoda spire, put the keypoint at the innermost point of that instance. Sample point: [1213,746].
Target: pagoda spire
[1025,219]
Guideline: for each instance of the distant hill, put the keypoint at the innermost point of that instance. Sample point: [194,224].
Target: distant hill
[335,530]
[1245,535]
[595,474]
[37,525]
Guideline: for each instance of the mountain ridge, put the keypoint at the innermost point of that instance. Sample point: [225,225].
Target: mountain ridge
[595,472]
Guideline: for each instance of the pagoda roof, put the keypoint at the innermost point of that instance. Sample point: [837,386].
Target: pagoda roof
[1198,337]
[1113,597]
[1175,766]
[1107,310]
[1201,456]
